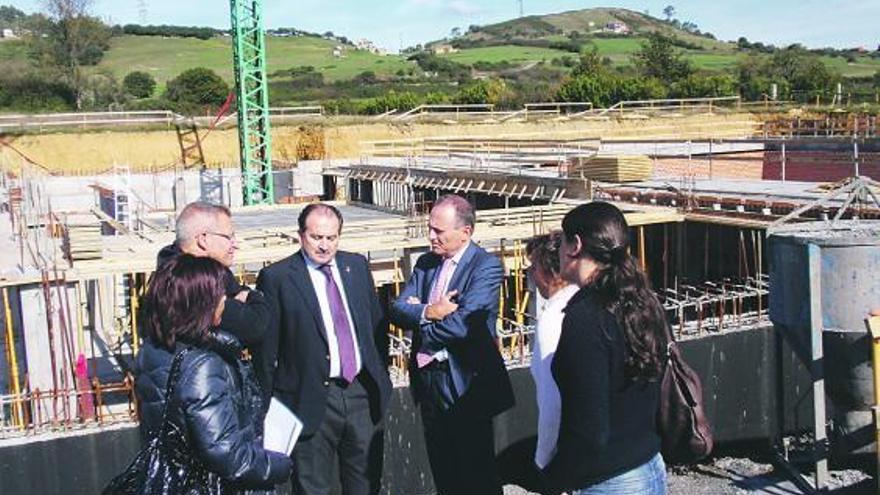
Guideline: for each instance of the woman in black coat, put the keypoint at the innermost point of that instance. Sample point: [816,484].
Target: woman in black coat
[608,363]
[216,400]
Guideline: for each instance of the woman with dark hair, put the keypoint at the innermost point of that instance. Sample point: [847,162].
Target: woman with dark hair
[608,363]
[216,401]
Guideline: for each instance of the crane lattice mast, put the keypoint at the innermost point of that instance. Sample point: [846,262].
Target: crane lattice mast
[252,101]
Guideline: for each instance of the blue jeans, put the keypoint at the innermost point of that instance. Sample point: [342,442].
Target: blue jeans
[647,479]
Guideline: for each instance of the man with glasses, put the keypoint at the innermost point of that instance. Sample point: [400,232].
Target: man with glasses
[205,229]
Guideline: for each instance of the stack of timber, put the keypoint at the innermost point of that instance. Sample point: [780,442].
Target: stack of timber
[617,168]
[82,239]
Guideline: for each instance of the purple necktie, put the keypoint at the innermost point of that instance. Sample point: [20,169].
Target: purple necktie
[347,361]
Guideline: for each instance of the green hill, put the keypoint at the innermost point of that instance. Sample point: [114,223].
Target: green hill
[531,39]
[586,22]
[164,58]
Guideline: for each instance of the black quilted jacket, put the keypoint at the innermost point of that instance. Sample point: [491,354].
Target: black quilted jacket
[217,404]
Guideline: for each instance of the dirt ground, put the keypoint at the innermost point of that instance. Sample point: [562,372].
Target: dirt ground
[735,473]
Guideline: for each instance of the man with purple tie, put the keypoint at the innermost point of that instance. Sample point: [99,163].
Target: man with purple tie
[458,377]
[325,357]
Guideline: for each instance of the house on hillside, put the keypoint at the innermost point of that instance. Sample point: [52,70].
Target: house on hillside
[443,49]
[617,27]
[365,44]
[337,51]
[7,33]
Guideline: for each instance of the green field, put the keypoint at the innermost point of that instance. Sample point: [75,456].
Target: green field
[12,49]
[510,53]
[165,58]
[862,67]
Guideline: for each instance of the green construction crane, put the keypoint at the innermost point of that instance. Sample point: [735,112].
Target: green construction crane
[252,101]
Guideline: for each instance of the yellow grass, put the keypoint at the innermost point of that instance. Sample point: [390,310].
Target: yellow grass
[91,153]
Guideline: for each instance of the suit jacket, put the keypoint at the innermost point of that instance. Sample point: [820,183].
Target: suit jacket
[482,387]
[294,358]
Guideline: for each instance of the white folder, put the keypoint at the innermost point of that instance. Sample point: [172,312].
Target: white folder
[281,428]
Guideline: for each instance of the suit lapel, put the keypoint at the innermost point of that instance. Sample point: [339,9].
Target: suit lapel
[462,268]
[348,285]
[303,282]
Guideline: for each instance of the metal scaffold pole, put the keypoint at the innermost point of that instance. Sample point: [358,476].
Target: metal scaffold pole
[252,100]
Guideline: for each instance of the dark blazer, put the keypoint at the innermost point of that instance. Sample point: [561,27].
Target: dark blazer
[482,387]
[294,359]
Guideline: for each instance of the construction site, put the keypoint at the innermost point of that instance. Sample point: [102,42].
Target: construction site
[758,224]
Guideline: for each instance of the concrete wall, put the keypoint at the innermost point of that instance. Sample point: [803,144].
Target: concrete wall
[739,375]
[159,191]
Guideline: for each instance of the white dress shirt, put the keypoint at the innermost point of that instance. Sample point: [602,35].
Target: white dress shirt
[319,280]
[549,403]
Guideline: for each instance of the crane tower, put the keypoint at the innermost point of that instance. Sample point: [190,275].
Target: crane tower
[252,101]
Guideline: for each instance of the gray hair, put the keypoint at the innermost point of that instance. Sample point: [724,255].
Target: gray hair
[464,211]
[197,217]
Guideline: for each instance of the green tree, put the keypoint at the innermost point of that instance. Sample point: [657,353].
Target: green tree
[669,11]
[196,88]
[139,84]
[101,90]
[876,79]
[657,58]
[10,17]
[483,91]
[68,39]
[590,62]
[701,86]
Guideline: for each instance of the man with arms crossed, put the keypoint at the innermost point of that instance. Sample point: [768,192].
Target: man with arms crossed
[458,377]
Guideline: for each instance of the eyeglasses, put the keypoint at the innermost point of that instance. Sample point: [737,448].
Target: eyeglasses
[228,237]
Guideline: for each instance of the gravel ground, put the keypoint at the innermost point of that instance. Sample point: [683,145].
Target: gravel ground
[725,475]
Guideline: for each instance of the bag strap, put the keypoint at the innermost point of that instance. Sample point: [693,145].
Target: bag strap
[170,385]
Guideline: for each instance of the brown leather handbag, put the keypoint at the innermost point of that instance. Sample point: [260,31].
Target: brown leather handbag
[683,427]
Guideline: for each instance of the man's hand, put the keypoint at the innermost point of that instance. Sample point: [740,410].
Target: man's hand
[442,308]
[242,296]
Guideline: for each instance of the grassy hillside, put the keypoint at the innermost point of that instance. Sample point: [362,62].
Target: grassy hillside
[586,22]
[164,58]
[509,40]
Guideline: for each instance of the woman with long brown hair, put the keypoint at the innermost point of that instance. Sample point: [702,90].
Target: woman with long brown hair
[608,363]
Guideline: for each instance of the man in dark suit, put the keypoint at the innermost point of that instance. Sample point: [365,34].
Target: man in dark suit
[325,355]
[205,229]
[458,376]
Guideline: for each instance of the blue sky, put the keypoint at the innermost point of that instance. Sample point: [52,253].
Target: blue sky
[396,23]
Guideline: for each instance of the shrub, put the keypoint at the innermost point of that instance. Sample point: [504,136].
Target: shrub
[139,84]
[196,88]
[33,92]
